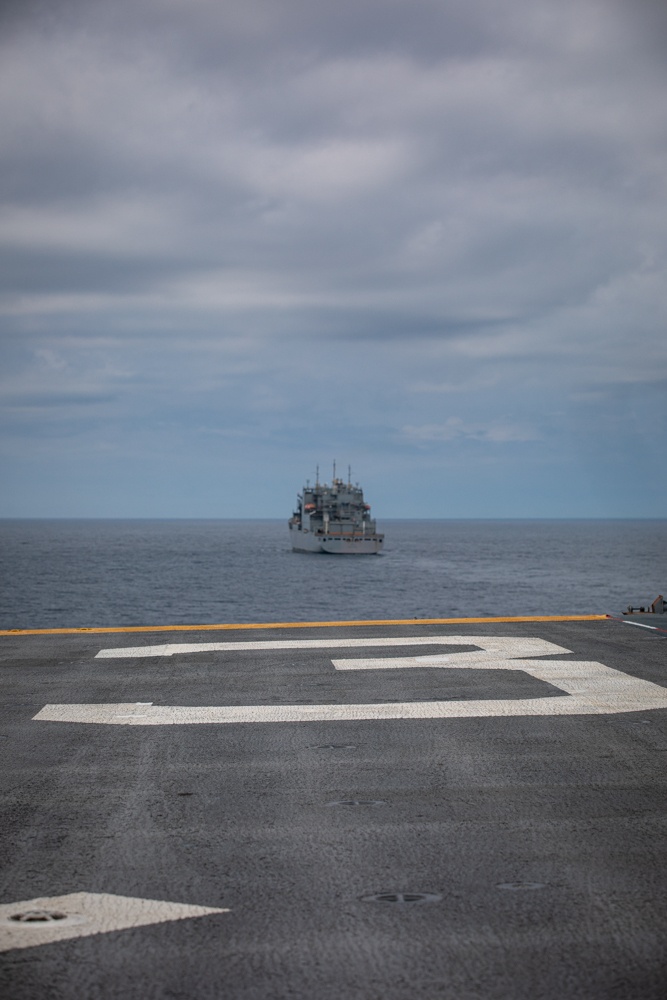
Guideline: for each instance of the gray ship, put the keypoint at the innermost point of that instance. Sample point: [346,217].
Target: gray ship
[334,519]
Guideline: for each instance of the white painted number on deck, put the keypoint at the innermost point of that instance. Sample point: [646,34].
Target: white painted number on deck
[589,687]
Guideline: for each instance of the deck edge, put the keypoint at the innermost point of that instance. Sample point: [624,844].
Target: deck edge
[328,624]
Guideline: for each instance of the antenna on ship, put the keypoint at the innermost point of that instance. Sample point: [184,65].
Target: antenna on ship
[349,475]
[334,475]
[317,475]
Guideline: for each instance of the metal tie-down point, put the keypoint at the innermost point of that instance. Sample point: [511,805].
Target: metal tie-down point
[403,898]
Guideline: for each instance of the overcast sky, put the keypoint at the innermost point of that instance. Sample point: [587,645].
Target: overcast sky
[426,238]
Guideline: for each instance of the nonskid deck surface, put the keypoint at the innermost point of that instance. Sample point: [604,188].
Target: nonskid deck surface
[443,809]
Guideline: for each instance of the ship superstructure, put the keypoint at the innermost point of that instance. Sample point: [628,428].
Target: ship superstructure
[335,519]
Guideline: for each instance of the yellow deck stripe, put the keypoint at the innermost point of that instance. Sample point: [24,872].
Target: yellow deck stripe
[262,625]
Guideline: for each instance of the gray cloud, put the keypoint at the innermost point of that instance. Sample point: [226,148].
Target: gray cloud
[282,221]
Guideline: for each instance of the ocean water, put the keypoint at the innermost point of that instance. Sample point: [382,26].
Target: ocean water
[63,573]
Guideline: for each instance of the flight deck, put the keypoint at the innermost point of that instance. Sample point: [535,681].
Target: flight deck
[465,809]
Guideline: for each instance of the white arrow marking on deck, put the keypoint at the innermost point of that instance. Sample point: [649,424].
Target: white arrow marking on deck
[82,914]
[590,687]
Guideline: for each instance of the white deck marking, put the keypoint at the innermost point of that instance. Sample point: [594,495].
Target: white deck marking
[506,646]
[654,628]
[506,657]
[87,913]
[589,687]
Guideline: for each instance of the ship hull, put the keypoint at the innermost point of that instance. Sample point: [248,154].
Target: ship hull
[351,545]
